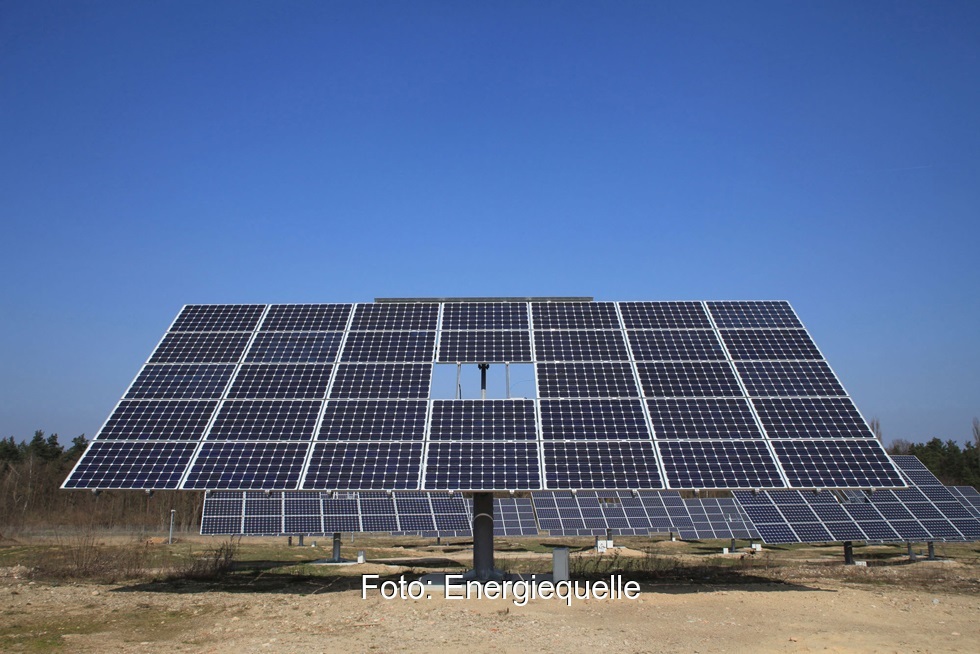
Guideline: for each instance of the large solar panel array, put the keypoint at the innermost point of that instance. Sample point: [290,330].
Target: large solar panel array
[630,396]
[252,513]
[925,511]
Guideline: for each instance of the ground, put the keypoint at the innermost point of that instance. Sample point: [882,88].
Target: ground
[692,598]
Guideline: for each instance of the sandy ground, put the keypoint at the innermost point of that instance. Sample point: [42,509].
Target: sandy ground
[860,611]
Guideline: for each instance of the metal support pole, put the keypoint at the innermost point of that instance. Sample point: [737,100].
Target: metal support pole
[507,374]
[911,552]
[336,546]
[483,380]
[932,551]
[459,384]
[732,548]
[848,553]
[301,540]
[483,569]
[170,541]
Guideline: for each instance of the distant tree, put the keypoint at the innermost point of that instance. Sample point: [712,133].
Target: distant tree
[10,451]
[78,445]
[875,426]
[899,446]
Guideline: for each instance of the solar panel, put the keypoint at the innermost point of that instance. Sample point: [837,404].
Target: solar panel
[269,420]
[595,419]
[373,420]
[183,420]
[580,345]
[688,379]
[662,345]
[490,420]
[788,378]
[307,317]
[473,465]
[601,464]
[364,465]
[719,464]
[664,315]
[396,316]
[580,380]
[836,463]
[381,381]
[769,344]
[697,418]
[218,318]
[201,347]
[281,381]
[485,347]
[294,347]
[915,470]
[180,381]
[827,417]
[764,314]
[240,465]
[151,465]
[389,347]
[575,315]
[484,315]
[968,497]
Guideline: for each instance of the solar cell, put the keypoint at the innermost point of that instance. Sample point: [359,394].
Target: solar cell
[389,347]
[201,347]
[601,464]
[303,524]
[472,465]
[675,345]
[396,316]
[490,420]
[836,463]
[364,466]
[373,420]
[306,317]
[604,419]
[241,465]
[152,465]
[831,417]
[485,347]
[263,525]
[581,380]
[294,347]
[484,315]
[181,381]
[768,344]
[381,381]
[718,464]
[580,345]
[664,315]
[969,498]
[787,378]
[702,418]
[765,314]
[170,420]
[218,318]
[281,381]
[574,315]
[688,379]
[915,470]
[266,420]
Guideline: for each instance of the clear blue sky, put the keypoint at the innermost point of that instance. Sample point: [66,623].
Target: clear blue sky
[154,154]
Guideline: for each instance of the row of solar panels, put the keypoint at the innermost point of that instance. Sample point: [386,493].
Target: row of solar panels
[212,420]
[927,511]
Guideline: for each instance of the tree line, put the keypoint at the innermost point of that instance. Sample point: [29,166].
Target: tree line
[31,474]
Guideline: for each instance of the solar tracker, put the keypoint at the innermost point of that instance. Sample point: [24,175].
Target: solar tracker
[629,396]
[968,497]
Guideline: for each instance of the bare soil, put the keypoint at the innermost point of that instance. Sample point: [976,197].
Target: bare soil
[692,600]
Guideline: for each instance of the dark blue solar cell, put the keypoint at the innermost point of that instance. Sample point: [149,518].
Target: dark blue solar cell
[603,419]
[306,318]
[811,417]
[294,347]
[578,380]
[170,420]
[664,315]
[495,420]
[389,347]
[396,316]
[364,465]
[201,347]
[131,465]
[688,379]
[769,344]
[241,465]
[811,532]
[303,524]
[381,381]
[718,464]
[260,525]
[298,381]
[469,465]
[789,378]
[777,533]
[601,464]
[181,381]
[485,347]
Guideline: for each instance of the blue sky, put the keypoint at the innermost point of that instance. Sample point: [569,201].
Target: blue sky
[157,154]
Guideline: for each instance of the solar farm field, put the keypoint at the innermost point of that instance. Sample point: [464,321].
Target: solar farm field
[87,593]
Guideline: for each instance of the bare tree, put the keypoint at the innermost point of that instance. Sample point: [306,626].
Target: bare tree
[876,428]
